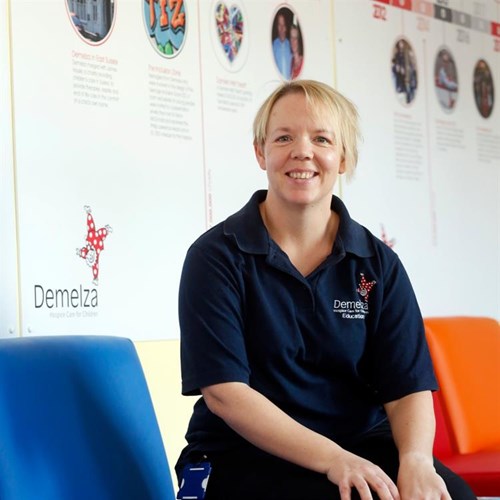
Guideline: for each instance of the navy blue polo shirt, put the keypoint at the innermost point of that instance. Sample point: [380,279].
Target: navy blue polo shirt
[329,349]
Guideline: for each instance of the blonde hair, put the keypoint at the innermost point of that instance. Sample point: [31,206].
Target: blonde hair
[319,96]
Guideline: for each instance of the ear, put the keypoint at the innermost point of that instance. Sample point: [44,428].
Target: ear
[342,167]
[259,154]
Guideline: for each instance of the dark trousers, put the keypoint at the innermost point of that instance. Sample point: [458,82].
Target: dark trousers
[251,474]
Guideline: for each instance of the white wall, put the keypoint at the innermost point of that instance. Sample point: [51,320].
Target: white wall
[159,147]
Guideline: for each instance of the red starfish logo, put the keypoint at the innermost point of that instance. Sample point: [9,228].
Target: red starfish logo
[389,242]
[365,287]
[95,244]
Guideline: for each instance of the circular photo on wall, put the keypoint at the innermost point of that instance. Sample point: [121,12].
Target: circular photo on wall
[446,79]
[287,43]
[404,71]
[484,92]
[92,19]
[166,23]
[228,27]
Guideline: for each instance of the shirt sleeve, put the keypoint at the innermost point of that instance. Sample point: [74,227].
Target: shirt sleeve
[399,355]
[211,320]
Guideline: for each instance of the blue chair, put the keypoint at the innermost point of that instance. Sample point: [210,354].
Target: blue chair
[77,422]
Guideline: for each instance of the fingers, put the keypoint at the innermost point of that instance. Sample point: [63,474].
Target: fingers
[377,482]
[345,491]
[351,471]
[393,489]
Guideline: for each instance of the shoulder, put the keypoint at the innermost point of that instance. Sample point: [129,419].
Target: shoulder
[241,233]
[358,239]
[209,238]
[380,248]
[212,250]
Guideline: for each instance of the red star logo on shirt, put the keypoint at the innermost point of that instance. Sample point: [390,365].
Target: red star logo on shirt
[365,287]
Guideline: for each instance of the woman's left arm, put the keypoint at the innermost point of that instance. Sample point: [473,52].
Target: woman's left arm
[413,426]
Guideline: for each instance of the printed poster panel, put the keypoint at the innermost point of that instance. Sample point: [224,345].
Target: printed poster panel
[8,281]
[248,48]
[424,78]
[109,170]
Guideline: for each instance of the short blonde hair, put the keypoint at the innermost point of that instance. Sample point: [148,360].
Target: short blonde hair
[319,96]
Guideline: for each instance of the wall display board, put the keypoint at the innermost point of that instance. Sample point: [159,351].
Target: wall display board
[426,78]
[8,267]
[126,131]
[109,173]
[132,137]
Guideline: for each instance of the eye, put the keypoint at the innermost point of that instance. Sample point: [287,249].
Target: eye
[283,138]
[323,140]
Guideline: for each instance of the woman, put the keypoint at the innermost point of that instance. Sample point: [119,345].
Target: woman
[302,333]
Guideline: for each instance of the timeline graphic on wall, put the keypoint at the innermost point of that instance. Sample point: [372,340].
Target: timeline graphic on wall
[405,75]
[431,131]
[404,64]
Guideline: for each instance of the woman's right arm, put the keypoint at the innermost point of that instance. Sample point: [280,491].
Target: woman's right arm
[266,426]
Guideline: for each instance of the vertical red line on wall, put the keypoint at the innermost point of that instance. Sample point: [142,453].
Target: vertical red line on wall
[206,172]
[340,181]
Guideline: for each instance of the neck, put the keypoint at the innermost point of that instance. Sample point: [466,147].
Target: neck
[304,223]
[305,234]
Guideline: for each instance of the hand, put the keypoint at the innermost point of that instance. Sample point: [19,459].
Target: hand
[418,480]
[351,471]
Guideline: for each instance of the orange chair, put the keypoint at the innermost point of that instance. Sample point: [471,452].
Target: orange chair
[466,356]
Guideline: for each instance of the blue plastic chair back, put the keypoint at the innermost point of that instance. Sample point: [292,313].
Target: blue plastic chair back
[77,422]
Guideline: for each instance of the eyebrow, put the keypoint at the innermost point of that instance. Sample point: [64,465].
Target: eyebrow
[317,131]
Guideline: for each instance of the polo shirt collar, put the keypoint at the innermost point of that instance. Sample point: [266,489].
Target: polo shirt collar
[247,228]
[354,237]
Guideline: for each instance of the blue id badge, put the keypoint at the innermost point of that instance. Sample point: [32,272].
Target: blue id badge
[194,481]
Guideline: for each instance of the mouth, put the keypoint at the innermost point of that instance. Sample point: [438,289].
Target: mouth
[302,175]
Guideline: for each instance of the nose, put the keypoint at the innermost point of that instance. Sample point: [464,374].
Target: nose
[302,149]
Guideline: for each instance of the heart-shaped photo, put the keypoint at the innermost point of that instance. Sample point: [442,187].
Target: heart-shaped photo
[229,22]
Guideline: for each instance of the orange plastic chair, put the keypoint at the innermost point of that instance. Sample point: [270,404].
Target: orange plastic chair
[466,356]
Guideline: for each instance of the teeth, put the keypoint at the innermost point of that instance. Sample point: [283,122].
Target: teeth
[301,175]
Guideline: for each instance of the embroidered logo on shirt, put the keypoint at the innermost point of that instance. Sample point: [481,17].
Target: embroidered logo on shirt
[355,309]
[365,287]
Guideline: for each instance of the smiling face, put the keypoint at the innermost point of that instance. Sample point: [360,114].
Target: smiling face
[281,27]
[300,154]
